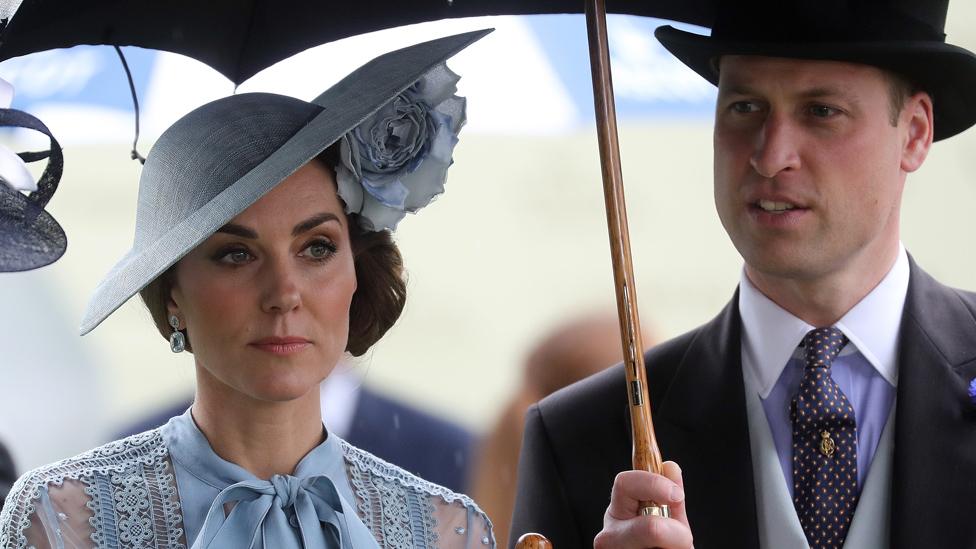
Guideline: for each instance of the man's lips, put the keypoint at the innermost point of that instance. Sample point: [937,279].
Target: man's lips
[777,214]
[774,201]
[281,345]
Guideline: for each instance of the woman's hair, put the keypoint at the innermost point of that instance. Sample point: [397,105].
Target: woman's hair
[381,287]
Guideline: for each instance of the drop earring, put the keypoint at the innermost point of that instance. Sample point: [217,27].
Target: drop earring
[177,341]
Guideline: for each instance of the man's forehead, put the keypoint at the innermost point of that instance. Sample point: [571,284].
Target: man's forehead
[750,71]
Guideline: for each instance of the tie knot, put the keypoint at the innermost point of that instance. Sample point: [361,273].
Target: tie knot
[822,345]
[286,489]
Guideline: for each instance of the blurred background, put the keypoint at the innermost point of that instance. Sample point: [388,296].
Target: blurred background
[515,247]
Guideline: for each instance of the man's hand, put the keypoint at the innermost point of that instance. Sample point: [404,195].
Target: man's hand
[623,525]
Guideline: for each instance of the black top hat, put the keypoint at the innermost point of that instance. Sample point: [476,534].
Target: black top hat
[29,236]
[904,36]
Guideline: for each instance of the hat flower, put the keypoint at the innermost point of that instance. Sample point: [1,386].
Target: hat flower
[396,160]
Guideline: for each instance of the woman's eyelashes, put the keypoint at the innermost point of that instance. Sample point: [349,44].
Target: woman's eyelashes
[318,250]
[233,254]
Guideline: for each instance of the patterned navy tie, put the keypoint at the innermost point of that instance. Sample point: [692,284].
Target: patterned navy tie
[824,446]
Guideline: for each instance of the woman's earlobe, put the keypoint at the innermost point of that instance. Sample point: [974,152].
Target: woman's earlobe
[172,307]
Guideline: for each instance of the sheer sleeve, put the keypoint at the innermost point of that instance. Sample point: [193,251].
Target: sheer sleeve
[47,516]
[404,511]
[461,526]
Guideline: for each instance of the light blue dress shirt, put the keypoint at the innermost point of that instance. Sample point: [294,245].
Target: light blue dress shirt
[866,370]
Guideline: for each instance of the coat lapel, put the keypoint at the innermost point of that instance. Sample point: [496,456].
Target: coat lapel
[701,424]
[934,478]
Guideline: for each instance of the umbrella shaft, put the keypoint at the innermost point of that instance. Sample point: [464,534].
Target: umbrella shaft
[646,455]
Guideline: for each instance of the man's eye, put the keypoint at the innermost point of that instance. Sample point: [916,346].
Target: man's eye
[744,107]
[823,111]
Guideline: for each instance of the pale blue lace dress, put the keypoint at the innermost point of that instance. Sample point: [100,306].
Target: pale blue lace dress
[166,488]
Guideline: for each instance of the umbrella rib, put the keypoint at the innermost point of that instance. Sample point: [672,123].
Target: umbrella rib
[135,104]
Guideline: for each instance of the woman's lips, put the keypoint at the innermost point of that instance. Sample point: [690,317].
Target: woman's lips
[281,345]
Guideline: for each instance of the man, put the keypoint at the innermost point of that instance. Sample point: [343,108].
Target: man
[827,404]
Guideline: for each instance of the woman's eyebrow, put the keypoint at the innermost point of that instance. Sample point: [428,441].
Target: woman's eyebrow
[238,230]
[313,222]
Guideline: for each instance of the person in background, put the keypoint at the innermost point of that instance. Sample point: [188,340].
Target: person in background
[832,403]
[29,237]
[8,473]
[570,352]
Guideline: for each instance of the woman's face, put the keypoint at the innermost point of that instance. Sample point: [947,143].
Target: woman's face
[265,300]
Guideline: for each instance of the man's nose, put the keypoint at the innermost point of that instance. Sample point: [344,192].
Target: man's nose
[776,147]
[281,290]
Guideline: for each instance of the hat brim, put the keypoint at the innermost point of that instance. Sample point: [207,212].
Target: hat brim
[357,96]
[29,236]
[946,72]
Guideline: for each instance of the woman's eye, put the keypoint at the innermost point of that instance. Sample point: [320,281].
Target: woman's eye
[235,257]
[320,249]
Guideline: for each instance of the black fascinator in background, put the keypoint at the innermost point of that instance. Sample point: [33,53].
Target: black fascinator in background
[29,236]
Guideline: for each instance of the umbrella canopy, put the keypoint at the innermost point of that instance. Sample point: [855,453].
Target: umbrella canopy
[240,38]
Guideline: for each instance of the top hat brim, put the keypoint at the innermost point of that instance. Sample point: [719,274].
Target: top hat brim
[29,236]
[946,72]
[342,107]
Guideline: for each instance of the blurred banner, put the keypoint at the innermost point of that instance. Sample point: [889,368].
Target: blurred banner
[535,68]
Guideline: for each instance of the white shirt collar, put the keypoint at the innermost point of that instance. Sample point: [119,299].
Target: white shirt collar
[770,334]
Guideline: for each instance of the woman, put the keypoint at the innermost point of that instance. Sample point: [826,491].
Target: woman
[262,248]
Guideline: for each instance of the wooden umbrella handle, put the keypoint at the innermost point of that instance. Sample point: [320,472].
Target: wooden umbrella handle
[533,541]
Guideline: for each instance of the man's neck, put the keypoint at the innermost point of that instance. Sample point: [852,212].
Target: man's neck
[822,301]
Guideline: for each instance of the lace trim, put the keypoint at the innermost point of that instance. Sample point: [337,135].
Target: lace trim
[390,497]
[131,489]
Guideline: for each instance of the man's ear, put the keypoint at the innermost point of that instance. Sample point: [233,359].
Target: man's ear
[919,120]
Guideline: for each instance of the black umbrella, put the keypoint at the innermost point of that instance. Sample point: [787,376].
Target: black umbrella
[239,38]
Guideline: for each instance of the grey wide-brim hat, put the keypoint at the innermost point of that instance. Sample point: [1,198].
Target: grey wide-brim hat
[219,159]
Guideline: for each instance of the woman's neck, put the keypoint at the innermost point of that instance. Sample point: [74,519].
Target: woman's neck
[265,438]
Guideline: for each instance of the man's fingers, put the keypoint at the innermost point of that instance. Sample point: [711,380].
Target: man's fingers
[641,532]
[660,532]
[673,472]
[623,525]
[632,487]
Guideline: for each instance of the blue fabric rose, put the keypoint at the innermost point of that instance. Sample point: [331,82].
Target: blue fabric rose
[396,160]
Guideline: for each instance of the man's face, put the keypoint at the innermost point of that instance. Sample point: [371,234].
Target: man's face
[809,169]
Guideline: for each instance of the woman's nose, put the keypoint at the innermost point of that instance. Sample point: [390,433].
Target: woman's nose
[282,292]
[776,147]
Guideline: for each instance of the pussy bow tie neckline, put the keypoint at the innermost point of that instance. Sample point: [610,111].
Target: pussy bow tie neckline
[267,513]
